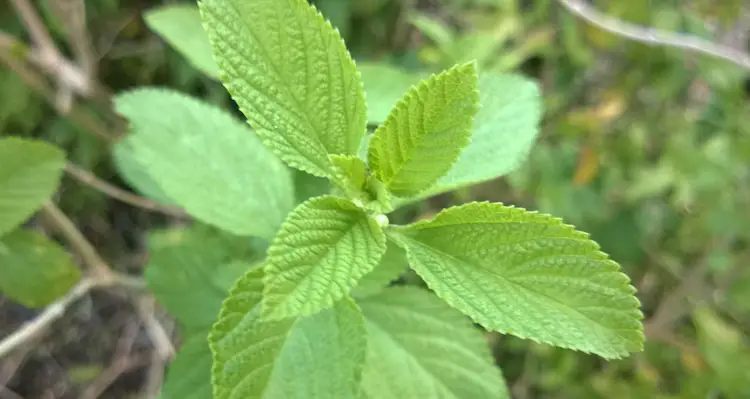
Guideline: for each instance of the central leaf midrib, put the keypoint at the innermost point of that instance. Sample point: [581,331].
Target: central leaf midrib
[510,282]
[315,264]
[289,95]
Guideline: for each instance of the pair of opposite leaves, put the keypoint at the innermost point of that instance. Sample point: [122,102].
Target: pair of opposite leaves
[510,270]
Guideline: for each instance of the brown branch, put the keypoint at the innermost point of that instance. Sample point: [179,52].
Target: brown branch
[674,305]
[119,194]
[70,78]
[654,37]
[122,362]
[72,13]
[35,26]
[12,55]
[33,329]
[159,337]
[90,257]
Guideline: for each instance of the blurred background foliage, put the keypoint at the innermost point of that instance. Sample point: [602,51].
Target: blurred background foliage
[646,148]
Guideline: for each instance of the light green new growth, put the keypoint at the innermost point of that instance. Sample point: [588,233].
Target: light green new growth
[290,329]
[425,132]
[314,357]
[349,174]
[526,274]
[292,77]
[384,87]
[418,347]
[504,130]
[30,171]
[34,271]
[324,247]
[194,151]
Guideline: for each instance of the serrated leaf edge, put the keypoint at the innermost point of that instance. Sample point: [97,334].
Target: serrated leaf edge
[625,282]
[267,314]
[403,102]
[324,171]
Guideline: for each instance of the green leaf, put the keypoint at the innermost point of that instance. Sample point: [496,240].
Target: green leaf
[324,247]
[189,374]
[384,86]
[426,131]
[30,171]
[725,351]
[207,162]
[391,266]
[307,186]
[314,357]
[338,12]
[526,274]
[418,347]
[134,173]
[292,77]
[504,131]
[350,174]
[34,271]
[191,270]
[180,26]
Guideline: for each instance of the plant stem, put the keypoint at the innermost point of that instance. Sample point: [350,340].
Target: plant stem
[75,238]
[654,37]
[29,331]
[119,194]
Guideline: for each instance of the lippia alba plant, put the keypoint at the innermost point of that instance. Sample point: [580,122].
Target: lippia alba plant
[310,312]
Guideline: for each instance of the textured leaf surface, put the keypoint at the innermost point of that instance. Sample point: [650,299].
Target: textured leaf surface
[34,270]
[180,26]
[135,174]
[30,171]
[384,86]
[350,174]
[504,130]
[313,357]
[391,266]
[189,374]
[418,347]
[526,274]
[208,162]
[191,270]
[292,77]
[426,131]
[324,247]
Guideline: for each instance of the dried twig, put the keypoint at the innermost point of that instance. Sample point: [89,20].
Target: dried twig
[655,37]
[11,54]
[122,362]
[159,338]
[80,244]
[33,329]
[100,275]
[674,306]
[72,13]
[119,194]
[70,77]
